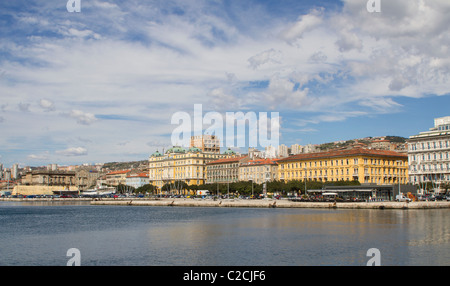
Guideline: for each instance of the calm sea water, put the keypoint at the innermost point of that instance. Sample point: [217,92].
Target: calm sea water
[41,234]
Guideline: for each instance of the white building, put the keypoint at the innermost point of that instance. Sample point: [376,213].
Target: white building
[429,155]
[15,171]
[270,152]
[296,149]
[309,148]
[283,151]
[137,180]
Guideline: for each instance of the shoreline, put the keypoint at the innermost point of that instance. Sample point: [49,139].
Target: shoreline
[240,203]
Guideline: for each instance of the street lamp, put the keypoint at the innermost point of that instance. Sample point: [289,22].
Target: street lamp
[398,172]
[251,179]
[305,181]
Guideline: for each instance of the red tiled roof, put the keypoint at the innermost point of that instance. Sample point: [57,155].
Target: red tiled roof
[226,160]
[343,153]
[118,172]
[138,175]
[266,161]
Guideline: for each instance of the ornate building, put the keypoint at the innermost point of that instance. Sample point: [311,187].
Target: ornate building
[429,155]
[181,165]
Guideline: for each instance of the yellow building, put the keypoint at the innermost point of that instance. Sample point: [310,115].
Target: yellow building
[365,165]
[181,165]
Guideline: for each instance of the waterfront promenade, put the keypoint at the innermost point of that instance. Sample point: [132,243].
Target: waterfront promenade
[239,203]
[270,203]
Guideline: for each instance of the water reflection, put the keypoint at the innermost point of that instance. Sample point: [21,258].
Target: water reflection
[108,235]
[309,237]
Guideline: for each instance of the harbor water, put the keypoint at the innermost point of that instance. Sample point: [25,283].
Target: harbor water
[41,234]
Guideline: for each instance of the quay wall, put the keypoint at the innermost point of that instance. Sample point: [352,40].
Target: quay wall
[272,204]
[39,190]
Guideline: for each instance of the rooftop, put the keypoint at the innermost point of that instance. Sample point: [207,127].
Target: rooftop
[226,160]
[119,172]
[345,153]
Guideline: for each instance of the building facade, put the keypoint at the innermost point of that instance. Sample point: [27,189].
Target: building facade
[181,165]
[206,143]
[367,166]
[429,155]
[259,171]
[224,170]
[137,180]
[85,179]
[49,178]
[116,178]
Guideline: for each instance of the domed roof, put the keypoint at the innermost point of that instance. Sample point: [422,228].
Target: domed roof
[157,154]
[176,149]
[229,152]
[194,150]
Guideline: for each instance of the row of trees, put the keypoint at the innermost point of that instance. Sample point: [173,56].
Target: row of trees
[247,188]
[241,188]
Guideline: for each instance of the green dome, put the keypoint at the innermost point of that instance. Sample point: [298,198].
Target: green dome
[157,154]
[194,150]
[229,152]
[176,149]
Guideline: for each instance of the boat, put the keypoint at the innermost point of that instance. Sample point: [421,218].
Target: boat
[99,191]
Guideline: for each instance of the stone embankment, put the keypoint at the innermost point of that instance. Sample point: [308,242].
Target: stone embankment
[268,203]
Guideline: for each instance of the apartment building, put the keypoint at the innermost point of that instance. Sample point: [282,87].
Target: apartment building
[206,143]
[367,166]
[429,155]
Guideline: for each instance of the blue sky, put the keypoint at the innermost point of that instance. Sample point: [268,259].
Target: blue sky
[101,85]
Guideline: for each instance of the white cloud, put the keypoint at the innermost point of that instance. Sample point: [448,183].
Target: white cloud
[47,105]
[269,56]
[82,117]
[281,92]
[76,151]
[304,24]
[138,63]
[43,156]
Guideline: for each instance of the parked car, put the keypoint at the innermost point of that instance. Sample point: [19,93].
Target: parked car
[440,198]
[402,198]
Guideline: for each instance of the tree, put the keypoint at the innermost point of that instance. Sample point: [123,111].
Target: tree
[148,188]
[121,188]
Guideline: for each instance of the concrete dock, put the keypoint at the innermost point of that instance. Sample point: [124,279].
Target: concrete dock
[269,203]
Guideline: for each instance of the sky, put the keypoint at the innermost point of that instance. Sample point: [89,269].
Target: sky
[102,84]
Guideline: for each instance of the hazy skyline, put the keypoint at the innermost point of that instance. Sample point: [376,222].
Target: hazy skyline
[101,85]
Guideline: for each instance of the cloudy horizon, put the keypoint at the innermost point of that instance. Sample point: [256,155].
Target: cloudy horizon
[101,85]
